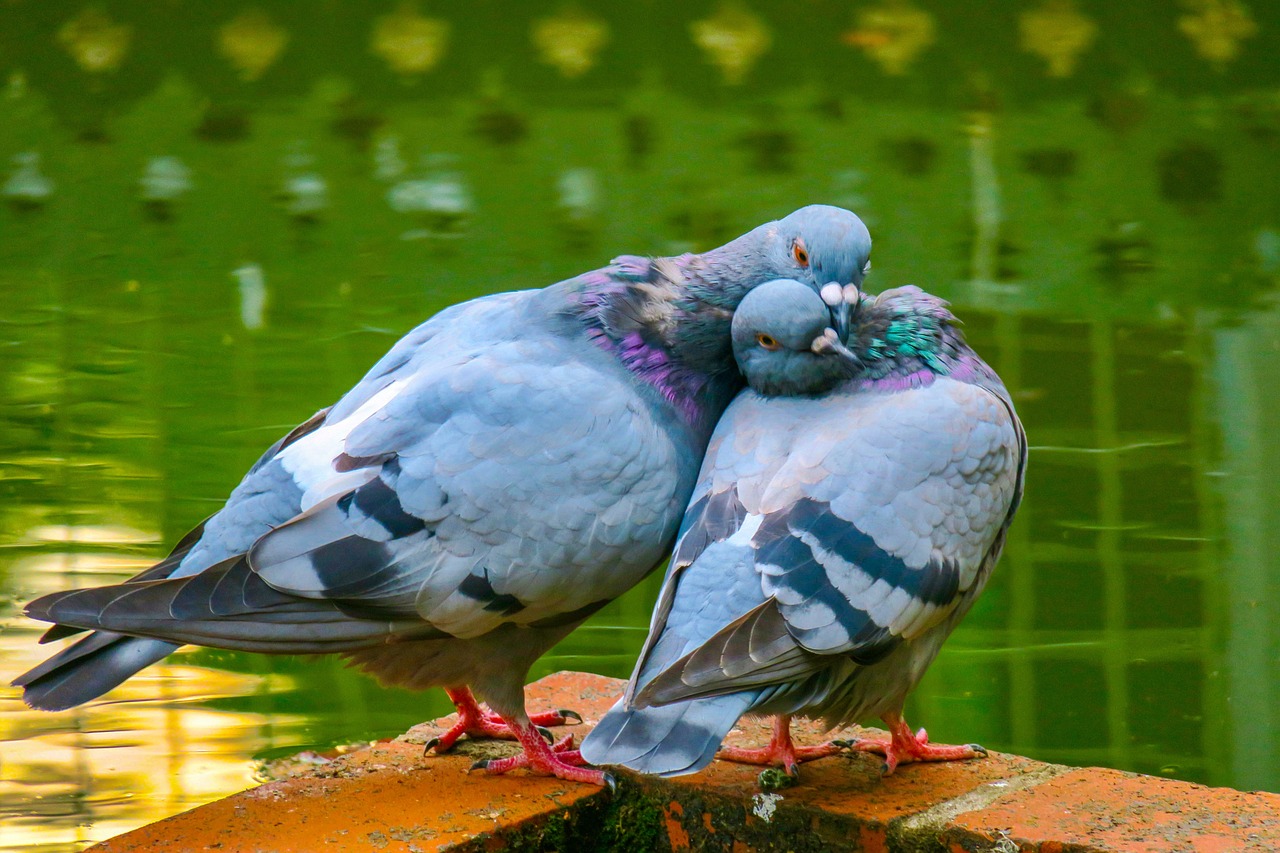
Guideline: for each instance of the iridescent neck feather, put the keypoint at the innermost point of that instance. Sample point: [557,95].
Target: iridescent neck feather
[906,338]
[665,324]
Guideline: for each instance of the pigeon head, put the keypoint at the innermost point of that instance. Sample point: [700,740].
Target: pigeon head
[784,343]
[820,244]
[815,245]
[668,319]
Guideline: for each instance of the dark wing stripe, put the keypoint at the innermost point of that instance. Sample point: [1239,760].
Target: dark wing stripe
[829,577]
[933,583]
[334,561]
[379,502]
[801,587]
[478,588]
[797,571]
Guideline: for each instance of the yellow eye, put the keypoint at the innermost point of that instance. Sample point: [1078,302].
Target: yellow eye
[800,253]
[769,342]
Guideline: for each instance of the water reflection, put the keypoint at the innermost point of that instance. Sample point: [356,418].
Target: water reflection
[215,220]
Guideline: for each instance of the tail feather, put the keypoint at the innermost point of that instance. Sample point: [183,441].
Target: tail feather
[160,570]
[671,740]
[59,632]
[225,606]
[87,669]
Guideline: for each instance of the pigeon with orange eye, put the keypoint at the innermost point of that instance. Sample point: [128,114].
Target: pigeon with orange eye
[800,253]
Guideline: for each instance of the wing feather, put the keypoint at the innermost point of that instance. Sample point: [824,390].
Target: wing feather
[866,534]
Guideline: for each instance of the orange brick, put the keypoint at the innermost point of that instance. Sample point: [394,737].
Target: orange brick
[389,797]
[1107,810]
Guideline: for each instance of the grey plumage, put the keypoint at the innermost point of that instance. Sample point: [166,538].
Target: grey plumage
[833,539]
[509,467]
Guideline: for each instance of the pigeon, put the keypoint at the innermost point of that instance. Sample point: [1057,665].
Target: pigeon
[850,508]
[504,471]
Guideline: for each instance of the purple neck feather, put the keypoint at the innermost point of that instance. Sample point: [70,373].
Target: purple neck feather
[967,368]
[624,307]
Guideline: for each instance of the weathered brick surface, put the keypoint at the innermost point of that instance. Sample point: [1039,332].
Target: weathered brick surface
[389,797]
[1105,810]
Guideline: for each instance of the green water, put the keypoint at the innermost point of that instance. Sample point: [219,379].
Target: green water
[212,221]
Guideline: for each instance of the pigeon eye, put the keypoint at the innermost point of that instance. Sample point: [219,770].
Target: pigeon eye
[800,253]
[769,342]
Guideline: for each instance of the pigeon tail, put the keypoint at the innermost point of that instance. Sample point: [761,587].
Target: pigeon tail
[87,669]
[672,740]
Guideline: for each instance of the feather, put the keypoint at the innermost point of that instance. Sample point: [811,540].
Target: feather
[836,536]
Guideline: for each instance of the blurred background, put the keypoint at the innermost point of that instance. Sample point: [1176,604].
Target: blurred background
[215,216]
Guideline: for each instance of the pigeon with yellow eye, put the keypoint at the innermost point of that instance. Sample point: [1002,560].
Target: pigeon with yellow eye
[851,506]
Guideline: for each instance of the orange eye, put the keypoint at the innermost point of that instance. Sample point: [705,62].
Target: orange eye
[769,342]
[799,252]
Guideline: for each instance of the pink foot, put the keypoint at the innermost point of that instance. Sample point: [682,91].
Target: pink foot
[476,722]
[903,747]
[781,751]
[562,717]
[544,759]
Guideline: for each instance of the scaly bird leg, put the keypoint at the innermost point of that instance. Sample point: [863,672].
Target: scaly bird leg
[781,751]
[903,747]
[476,722]
[545,759]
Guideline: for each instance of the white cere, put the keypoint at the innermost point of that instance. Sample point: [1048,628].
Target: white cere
[831,294]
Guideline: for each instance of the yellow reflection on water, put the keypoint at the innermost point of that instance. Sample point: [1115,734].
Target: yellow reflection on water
[62,775]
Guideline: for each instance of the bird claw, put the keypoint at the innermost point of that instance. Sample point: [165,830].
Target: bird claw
[904,747]
[429,745]
[610,782]
[482,764]
[475,721]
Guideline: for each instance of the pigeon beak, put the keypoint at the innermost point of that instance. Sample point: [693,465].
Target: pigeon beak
[842,300]
[840,314]
[828,343]
[833,295]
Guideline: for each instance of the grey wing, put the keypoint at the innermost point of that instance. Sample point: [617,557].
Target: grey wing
[302,470]
[711,579]
[494,491]
[884,518]
[468,482]
[284,480]
[697,600]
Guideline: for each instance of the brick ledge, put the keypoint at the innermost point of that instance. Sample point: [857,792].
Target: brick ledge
[388,797]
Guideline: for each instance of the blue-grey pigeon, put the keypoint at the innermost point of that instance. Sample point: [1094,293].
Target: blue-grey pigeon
[851,506]
[509,467]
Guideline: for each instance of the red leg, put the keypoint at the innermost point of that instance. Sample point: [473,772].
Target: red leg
[544,759]
[781,751]
[476,722]
[562,717]
[903,747]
